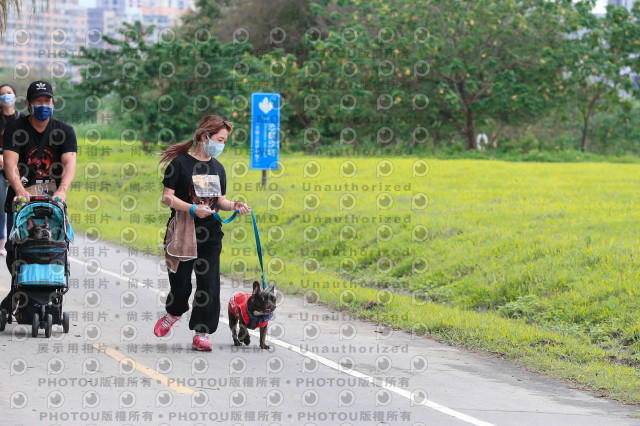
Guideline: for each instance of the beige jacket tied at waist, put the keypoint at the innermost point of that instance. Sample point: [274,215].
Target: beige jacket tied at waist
[180,241]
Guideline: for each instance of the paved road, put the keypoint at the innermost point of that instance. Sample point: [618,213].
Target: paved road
[323,367]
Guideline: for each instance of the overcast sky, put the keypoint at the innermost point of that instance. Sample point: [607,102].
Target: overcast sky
[600,7]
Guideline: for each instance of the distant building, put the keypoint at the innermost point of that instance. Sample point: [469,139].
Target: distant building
[108,15]
[626,3]
[171,4]
[39,45]
[102,21]
[162,13]
[118,6]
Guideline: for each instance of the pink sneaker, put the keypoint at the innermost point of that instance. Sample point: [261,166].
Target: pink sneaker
[201,343]
[164,324]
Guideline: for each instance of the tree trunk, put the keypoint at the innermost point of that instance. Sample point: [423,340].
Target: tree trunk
[585,128]
[470,130]
[587,116]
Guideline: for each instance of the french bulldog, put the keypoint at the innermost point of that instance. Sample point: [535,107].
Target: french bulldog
[39,232]
[251,310]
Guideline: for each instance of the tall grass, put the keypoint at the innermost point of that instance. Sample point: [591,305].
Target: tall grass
[537,261]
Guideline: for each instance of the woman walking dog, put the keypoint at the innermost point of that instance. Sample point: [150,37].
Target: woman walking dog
[195,184]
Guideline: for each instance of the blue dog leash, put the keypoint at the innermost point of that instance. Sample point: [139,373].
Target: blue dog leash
[233,216]
[257,235]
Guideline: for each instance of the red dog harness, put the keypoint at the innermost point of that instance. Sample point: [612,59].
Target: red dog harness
[238,306]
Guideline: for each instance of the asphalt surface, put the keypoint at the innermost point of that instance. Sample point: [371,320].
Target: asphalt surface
[323,367]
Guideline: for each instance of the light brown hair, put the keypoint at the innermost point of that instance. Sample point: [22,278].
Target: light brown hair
[210,125]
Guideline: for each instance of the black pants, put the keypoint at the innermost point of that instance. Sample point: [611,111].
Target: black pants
[9,244]
[6,302]
[206,302]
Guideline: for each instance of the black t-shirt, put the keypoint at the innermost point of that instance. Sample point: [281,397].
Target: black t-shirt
[179,176]
[4,120]
[21,137]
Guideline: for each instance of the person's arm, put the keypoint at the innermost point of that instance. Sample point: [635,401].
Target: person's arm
[169,198]
[13,174]
[228,206]
[224,204]
[68,161]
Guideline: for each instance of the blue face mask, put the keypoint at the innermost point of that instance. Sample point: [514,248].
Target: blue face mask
[7,99]
[42,112]
[213,148]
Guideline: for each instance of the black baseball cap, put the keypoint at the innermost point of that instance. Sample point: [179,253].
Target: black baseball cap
[39,88]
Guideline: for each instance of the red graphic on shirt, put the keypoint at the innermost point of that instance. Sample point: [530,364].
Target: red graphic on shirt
[200,200]
[42,165]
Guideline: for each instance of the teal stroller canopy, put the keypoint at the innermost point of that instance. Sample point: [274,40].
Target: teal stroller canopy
[61,229]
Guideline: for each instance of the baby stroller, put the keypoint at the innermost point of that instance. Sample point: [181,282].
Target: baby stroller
[40,275]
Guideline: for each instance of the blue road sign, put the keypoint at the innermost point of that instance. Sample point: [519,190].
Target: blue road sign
[265,130]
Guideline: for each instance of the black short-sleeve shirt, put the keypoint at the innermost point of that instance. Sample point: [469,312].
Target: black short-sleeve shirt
[21,137]
[4,120]
[179,177]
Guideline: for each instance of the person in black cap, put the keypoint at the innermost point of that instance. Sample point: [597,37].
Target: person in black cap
[39,157]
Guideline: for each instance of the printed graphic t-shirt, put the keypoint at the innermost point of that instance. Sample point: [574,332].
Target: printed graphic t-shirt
[21,137]
[179,177]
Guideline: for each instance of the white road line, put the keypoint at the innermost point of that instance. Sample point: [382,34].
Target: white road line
[334,365]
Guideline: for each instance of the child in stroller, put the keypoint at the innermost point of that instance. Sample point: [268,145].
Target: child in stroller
[41,236]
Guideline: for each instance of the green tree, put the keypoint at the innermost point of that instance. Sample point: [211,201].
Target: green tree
[602,61]
[469,61]
[201,22]
[494,59]
[267,25]
[163,88]
[360,85]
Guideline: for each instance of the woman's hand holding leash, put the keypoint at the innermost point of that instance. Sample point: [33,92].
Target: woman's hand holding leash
[202,211]
[241,207]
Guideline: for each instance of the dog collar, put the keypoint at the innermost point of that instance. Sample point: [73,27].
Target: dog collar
[257,321]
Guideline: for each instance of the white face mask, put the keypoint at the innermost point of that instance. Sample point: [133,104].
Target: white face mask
[8,99]
[213,148]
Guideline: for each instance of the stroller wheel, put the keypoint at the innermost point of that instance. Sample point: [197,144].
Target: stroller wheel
[3,319]
[35,325]
[48,325]
[65,322]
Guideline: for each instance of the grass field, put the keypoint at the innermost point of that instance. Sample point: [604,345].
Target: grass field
[537,262]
